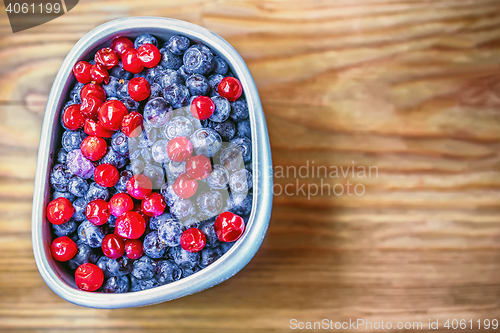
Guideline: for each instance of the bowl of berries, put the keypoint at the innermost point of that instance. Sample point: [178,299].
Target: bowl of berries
[154,174]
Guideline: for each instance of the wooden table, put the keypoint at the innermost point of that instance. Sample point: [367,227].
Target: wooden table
[409,88]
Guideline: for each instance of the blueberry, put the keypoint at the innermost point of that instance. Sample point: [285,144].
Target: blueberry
[119,143]
[197,85]
[123,91]
[239,110]
[155,221]
[243,129]
[183,209]
[218,178]
[220,65]
[115,267]
[225,246]
[210,203]
[157,112]
[154,75]
[166,271]
[207,227]
[90,234]
[226,129]
[155,173]
[146,138]
[169,195]
[179,126]
[206,142]
[120,73]
[79,204]
[170,60]
[222,109]
[152,246]
[177,95]
[185,75]
[185,259]
[75,93]
[78,186]
[111,221]
[192,222]
[159,151]
[198,59]
[240,181]
[59,177]
[143,268]
[169,232]
[178,44]
[240,204]
[112,87]
[156,91]
[64,229]
[72,139]
[137,167]
[66,195]
[61,156]
[213,81]
[245,146]
[96,191]
[169,77]
[84,255]
[145,39]
[114,158]
[121,185]
[248,166]
[209,256]
[117,285]
[130,104]
[138,285]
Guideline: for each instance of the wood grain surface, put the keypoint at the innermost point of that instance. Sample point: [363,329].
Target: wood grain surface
[409,87]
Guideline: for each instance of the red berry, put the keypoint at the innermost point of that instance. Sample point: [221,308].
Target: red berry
[93,89]
[93,147]
[179,149]
[202,107]
[97,212]
[138,209]
[198,167]
[72,118]
[139,89]
[120,203]
[193,240]
[113,246]
[106,175]
[229,227]
[230,88]
[111,114]
[95,128]
[149,55]
[153,204]
[130,225]
[99,74]
[106,57]
[60,210]
[63,248]
[120,45]
[90,106]
[82,72]
[134,248]
[131,61]
[132,124]
[139,186]
[89,277]
[184,186]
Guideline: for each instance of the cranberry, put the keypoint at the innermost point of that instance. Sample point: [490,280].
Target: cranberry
[198,167]
[134,248]
[153,204]
[230,88]
[113,246]
[179,149]
[99,74]
[82,72]
[60,210]
[89,277]
[120,45]
[106,175]
[90,106]
[111,114]
[63,248]
[184,186]
[131,61]
[139,89]
[139,186]
[229,227]
[193,240]
[93,89]
[93,147]
[72,118]
[138,209]
[120,203]
[132,124]
[97,212]
[149,55]
[202,107]
[130,225]
[106,57]
[95,128]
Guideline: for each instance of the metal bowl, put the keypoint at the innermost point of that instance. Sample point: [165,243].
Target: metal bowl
[60,280]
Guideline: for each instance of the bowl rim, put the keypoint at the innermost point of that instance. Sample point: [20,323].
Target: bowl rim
[232,261]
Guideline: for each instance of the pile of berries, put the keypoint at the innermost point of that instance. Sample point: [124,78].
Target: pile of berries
[153,181]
